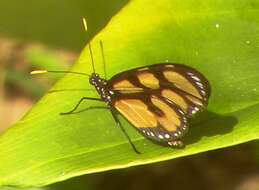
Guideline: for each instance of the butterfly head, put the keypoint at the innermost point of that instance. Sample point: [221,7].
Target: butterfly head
[100,85]
[94,79]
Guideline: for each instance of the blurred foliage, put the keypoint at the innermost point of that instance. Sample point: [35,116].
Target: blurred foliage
[23,81]
[27,58]
[56,23]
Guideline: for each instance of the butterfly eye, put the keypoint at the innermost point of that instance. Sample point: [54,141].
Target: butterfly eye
[91,80]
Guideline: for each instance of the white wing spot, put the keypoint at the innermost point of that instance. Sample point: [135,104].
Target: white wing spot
[194,111]
[195,78]
[184,127]
[199,84]
[191,74]
[203,92]
[160,136]
[152,134]
[167,136]
[181,111]
[111,92]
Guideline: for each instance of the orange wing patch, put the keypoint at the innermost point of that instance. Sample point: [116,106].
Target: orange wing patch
[176,98]
[170,120]
[181,82]
[123,84]
[125,87]
[148,79]
[136,112]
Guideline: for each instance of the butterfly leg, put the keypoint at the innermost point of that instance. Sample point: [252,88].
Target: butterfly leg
[82,99]
[86,109]
[123,130]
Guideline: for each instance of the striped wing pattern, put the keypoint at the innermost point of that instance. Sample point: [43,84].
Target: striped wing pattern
[159,99]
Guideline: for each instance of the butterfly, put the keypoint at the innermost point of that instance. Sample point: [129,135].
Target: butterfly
[158,100]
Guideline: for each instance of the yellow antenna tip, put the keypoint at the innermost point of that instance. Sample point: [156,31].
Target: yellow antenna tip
[85,24]
[38,72]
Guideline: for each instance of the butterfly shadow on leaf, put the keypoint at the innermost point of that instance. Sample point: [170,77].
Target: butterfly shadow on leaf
[209,124]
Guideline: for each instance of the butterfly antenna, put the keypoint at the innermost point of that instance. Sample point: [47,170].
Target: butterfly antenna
[46,71]
[104,62]
[90,48]
[91,54]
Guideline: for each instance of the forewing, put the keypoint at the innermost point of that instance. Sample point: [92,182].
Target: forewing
[153,116]
[181,84]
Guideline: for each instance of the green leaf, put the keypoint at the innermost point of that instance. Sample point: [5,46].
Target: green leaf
[219,38]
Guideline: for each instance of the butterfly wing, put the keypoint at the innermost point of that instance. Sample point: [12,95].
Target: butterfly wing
[152,115]
[158,99]
[181,84]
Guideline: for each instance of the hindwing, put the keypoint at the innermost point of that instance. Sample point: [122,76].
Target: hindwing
[154,116]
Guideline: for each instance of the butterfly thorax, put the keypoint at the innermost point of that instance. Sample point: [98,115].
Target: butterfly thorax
[100,85]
